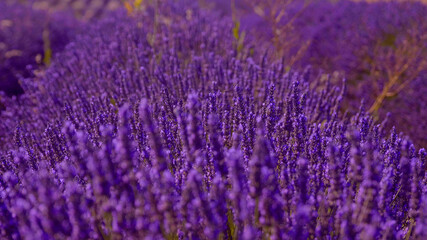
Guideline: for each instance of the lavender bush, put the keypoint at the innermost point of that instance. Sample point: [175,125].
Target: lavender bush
[156,126]
[380,48]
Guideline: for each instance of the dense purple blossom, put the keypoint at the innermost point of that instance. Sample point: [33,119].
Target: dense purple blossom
[380,47]
[372,44]
[155,126]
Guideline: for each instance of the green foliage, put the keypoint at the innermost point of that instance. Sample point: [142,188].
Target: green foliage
[239,36]
[231,225]
[236,30]
[389,40]
[47,48]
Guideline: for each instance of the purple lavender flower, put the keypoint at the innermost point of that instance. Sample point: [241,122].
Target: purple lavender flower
[162,122]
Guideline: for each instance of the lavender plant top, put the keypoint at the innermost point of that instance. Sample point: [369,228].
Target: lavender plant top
[154,127]
[381,47]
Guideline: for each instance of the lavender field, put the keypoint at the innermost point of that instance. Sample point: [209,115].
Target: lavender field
[213,119]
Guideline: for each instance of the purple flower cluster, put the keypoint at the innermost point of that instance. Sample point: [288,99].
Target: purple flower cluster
[156,126]
[380,47]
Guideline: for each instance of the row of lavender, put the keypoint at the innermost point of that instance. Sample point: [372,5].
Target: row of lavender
[158,128]
[380,47]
